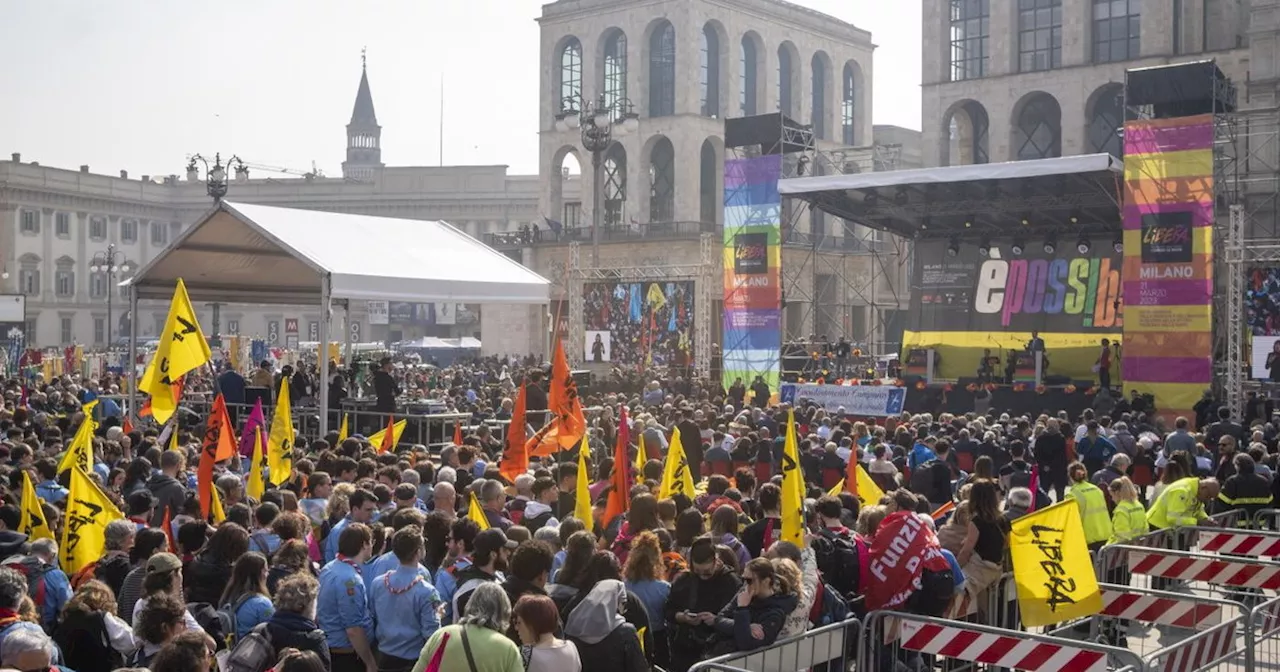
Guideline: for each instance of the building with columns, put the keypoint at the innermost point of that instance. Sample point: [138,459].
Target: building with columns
[54,220]
[683,67]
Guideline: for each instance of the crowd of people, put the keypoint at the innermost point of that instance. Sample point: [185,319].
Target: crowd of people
[369,561]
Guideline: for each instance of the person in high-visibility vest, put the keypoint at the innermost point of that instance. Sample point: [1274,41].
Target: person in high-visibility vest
[1182,503]
[1093,506]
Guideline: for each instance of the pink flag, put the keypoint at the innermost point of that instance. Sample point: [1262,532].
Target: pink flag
[254,423]
[1034,486]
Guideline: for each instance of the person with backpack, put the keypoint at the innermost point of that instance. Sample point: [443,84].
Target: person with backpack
[48,586]
[839,553]
[812,593]
[263,539]
[492,553]
[932,479]
[114,565]
[1094,449]
[90,634]
[245,603]
[291,626]
[763,533]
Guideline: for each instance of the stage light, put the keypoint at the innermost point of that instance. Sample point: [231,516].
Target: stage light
[953,249]
[968,224]
[901,197]
[984,248]
[1075,217]
[1118,245]
[1082,245]
[1025,221]
[1050,245]
[1017,247]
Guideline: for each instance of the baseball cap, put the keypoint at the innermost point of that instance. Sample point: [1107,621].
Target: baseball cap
[491,540]
[163,562]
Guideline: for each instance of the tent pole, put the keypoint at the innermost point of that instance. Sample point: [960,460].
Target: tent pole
[346,327]
[325,316]
[129,369]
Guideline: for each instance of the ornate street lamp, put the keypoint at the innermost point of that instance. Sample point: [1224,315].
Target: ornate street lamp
[216,175]
[599,124]
[110,262]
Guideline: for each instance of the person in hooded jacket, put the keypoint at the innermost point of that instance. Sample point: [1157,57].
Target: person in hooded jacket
[755,617]
[167,489]
[605,640]
[293,623]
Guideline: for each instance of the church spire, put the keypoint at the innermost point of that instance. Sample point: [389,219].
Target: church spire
[364,135]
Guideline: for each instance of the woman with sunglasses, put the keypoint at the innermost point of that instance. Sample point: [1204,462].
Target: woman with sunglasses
[754,618]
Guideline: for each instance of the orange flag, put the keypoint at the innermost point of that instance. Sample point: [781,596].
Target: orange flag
[457,434]
[218,446]
[515,459]
[166,526]
[568,424]
[389,436]
[127,427]
[620,495]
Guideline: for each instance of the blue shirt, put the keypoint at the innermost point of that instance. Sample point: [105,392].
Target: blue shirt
[51,492]
[446,585]
[265,542]
[330,550]
[57,591]
[956,573]
[653,595]
[255,610]
[407,619]
[920,454]
[342,604]
[380,565]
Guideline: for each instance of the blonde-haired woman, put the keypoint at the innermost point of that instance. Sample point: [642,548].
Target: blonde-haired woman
[1128,522]
[762,605]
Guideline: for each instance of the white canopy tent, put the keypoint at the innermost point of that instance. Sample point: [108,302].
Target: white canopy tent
[259,254]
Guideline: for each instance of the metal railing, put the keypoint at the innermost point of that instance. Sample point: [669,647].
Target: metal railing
[611,232]
[831,647]
[834,243]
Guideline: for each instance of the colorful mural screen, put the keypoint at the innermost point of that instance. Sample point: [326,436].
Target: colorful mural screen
[1168,259]
[752,270]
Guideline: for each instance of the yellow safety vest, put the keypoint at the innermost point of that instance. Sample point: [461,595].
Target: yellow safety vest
[1178,505]
[1093,511]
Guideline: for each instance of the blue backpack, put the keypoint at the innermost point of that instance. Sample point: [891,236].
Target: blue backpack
[828,606]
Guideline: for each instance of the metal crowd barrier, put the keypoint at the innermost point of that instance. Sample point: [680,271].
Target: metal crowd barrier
[1109,564]
[831,648]
[1267,519]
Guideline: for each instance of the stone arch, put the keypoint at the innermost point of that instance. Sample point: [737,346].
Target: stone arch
[612,64]
[566,63]
[659,164]
[615,185]
[1103,118]
[1036,127]
[821,94]
[788,71]
[852,110]
[713,69]
[752,74]
[965,134]
[711,182]
[565,161]
[660,68]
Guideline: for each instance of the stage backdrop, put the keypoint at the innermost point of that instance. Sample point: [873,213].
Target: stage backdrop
[1168,259]
[752,270]
[963,304]
[1262,317]
[638,323]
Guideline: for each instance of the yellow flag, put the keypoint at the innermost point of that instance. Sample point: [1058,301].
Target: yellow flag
[476,513]
[80,452]
[640,634]
[792,487]
[676,476]
[280,441]
[32,522]
[868,492]
[641,459]
[839,488]
[1051,566]
[88,512]
[582,494]
[173,439]
[182,348]
[343,430]
[215,508]
[397,430]
[254,487]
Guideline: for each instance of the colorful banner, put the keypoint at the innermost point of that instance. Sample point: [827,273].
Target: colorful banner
[752,270]
[965,305]
[868,400]
[1262,315]
[638,323]
[1168,246]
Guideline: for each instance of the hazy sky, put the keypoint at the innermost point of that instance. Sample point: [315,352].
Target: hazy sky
[140,84]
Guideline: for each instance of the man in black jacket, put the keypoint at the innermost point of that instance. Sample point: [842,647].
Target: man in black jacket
[168,491]
[696,597]
[932,480]
[384,387]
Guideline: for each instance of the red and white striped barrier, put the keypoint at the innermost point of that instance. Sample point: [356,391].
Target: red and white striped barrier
[1239,543]
[1162,610]
[1198,654]
[1219,572]
[999,650]
[1268,618]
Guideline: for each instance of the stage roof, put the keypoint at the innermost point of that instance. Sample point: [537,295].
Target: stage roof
[259,254]
[996,199]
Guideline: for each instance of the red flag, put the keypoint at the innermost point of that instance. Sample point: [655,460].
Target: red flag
[457,434]
[1034,486]
[166,526]
[218,446]
[515,459]
[568,424]
[620,496]
[127,427]
[389,436]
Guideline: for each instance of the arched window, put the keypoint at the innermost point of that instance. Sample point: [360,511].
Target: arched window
[615,184]
[708,205]
[662,71]
[570,74]
[818,113]
[662,180]
[615,68]
[747,78]
[1038,130]
[966,135]
[847,100]
[710,70]
[1105,121]
[784,80]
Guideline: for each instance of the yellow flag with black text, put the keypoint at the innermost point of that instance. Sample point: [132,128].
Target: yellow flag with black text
[280,441]
[865,487]
[676,476]
[641,458]
[582,493]
[182,348]
[253,485]
[476,512]
[792,487]
[218,513]
[1056,581]
[80,452]
[84,532]
[32,522]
